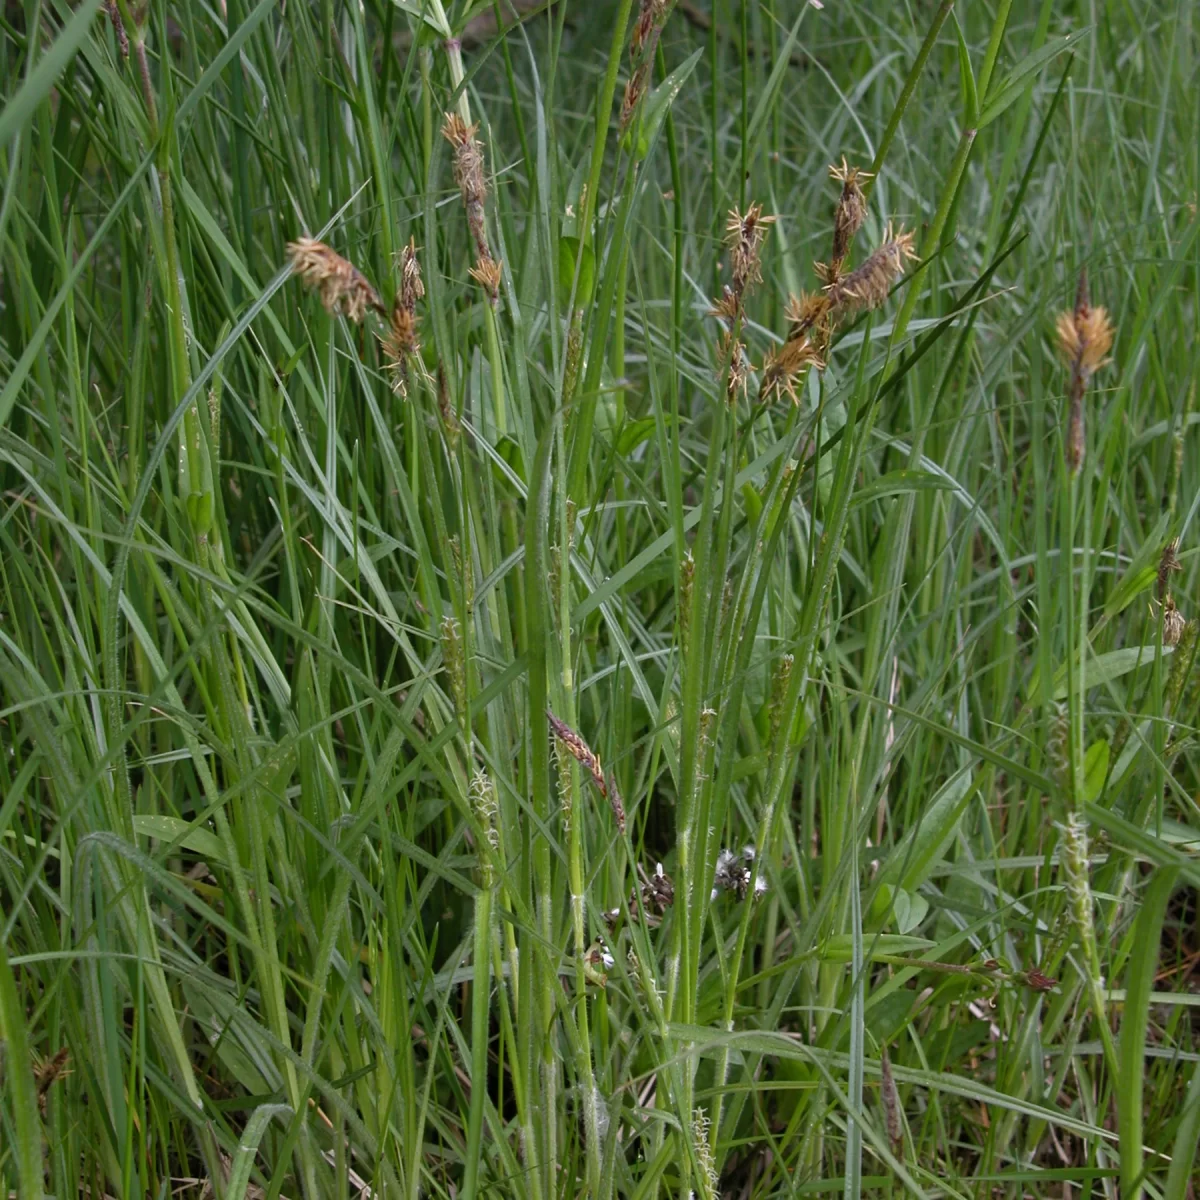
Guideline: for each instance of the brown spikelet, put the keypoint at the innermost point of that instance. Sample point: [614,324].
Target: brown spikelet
[726,308]
[468,174]
[114,15]
[486,272]
[867,286]
[890,1095]
[587,758]
[1085,336]
[46,1073]
[1173,622]
[851,212]
[412,288]
[744,234]
[652,15]
[785,367]
[806,311]
[1168,564]
[341,286]
[446,408]
[401,343]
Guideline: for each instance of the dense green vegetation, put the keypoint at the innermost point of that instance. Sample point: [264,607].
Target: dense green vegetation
[561,718]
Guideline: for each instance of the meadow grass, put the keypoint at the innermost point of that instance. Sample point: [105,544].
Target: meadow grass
[552,646]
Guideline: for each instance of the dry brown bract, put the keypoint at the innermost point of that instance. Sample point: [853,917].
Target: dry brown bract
[341,286]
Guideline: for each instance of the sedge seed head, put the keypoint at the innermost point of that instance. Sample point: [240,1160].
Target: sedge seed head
[341,286]
[486,272]
[851,210]
[1168,564]
[868,286]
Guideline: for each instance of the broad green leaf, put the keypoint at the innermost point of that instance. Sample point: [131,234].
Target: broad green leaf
[1007,92]
[1103,668]
[429,11]
[660,101]
[175,829]
[1095,769]
[966,77]
[923,846]
[840,947]
[39,82]
[1140,573]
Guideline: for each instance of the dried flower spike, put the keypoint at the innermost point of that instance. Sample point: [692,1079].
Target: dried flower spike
[486,272]
[851,212]
[341,286]
[587,758]
[1174,622]
[401,344]
[1168,564]
[785,367]
[1085,336]
[744,234]
[867,286]
[472,185]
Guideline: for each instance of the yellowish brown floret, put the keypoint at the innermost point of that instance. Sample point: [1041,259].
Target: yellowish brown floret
[341,286]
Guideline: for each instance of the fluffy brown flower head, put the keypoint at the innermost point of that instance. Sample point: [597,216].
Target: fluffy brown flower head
[468,174]
[784,368]
[810,314]
[486,272]
[340,284]
[726,308]
[401,343]
[851,211]
[412,288]
[1168,564]
[1174,622]
[1085,337]
[744,234]
[867,286]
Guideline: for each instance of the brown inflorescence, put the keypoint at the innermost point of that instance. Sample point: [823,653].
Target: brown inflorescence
[813,316]
[401,343]
[851,212]
[868,285]
[744,235]
[1168,564]
[472,185]
[587,758]
[652,16]
[1085,336]
[341,286]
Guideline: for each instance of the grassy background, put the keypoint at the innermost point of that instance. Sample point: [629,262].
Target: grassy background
[290,865]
